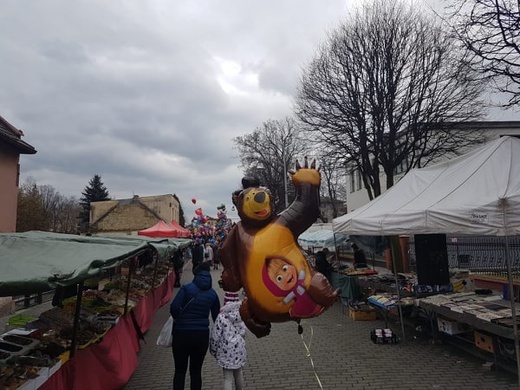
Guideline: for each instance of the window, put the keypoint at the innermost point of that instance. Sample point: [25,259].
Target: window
[352,181]
[359,181]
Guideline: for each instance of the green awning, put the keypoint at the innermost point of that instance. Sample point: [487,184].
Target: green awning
[37,261]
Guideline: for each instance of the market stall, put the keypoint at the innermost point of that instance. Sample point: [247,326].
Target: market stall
[109,363]
[165,229]
[91,336]
[475,194]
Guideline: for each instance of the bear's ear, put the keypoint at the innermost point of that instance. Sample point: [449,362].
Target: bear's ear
[235,196]
[249,181]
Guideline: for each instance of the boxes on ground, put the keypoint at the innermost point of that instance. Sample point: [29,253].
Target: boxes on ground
[506,348]
[451,327]
[484,341]
[362,313]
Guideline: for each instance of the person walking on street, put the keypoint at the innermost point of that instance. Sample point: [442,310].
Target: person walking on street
[190,310]
[208,254]
[178,266]
[227,342]
[197,253]
[216,259]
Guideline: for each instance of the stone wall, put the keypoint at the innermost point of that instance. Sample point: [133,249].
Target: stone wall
[127,218]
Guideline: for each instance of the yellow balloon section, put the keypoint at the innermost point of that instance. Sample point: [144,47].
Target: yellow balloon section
[273,242]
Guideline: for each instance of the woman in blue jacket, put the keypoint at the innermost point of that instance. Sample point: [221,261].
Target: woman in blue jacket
[190,309]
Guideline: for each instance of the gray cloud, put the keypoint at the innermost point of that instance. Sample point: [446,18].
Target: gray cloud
[150,94]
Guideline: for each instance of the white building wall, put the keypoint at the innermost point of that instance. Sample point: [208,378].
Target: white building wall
[358,196]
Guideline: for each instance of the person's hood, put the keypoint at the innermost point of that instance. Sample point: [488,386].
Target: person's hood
[203,280]
[231,312]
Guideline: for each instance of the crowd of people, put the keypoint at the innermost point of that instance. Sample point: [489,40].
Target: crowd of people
[196,301]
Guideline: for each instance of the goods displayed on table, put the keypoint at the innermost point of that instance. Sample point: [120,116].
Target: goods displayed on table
[408,285]
[36,347]
[390,304]
[390,300]
[487,307]
[351,271]
[361,271]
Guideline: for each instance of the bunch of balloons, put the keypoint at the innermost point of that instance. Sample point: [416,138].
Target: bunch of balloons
[223,225]
[201,228]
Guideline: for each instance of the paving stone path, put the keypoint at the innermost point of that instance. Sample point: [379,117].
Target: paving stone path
[342,356]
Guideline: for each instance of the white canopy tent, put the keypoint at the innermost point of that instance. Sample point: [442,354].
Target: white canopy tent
[474,194]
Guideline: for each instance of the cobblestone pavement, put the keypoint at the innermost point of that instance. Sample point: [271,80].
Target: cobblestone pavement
[342,356]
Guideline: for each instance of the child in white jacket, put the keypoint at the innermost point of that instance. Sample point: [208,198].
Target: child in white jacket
[227,342]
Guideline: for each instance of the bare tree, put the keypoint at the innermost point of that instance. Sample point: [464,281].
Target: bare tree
[268,153]
[43,208]
[379,87]
[490,30]
[68,211]
[332,181]
[51,200]
[30,213]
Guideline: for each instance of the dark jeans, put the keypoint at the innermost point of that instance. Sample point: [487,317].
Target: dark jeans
[192,347]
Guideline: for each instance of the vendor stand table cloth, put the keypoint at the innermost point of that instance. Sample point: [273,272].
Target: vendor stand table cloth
[110,363]
[350,290]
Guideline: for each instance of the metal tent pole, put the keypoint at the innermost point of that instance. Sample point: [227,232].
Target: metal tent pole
[77,312]
[513,308]
[394,245]
[503,205]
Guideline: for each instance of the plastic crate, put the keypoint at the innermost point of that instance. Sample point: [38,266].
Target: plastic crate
[383,336]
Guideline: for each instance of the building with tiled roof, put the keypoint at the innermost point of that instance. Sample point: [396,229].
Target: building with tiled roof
[128,216]
[11,146]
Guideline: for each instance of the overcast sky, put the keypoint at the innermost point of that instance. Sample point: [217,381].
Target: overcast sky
[149,94]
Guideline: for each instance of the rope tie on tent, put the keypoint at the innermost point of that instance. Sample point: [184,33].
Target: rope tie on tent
[308,350]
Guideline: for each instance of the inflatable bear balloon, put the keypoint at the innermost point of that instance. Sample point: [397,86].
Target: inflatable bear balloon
[261,254]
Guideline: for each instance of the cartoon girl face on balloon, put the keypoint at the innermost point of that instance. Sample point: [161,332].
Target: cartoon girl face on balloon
[283,280]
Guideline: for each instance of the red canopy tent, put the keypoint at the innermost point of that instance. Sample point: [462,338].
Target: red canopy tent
[164,229]
[184,233]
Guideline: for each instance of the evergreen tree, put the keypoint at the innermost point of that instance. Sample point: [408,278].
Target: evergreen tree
[95,191]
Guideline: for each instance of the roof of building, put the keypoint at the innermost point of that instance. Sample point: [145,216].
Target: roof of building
[10,135]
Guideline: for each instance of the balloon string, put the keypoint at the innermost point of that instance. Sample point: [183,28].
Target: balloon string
[308,349]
